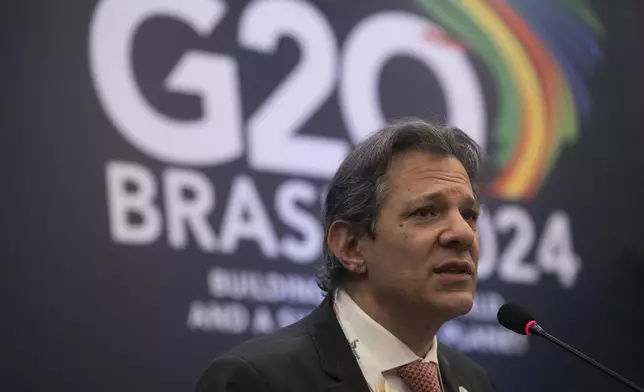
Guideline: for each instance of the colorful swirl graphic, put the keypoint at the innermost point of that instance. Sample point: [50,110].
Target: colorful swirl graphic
[538,53]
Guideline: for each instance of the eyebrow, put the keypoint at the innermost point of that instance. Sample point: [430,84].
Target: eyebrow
[468,201]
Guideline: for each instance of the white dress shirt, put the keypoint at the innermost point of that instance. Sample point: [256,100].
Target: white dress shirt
[377,350]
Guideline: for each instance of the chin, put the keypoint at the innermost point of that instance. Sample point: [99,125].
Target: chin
[454,304]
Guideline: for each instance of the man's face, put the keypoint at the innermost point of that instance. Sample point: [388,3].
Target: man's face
[425,253]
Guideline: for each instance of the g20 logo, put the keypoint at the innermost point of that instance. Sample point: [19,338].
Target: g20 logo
[271,138]
[273,143]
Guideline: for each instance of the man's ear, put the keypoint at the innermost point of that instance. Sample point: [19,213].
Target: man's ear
[342,241]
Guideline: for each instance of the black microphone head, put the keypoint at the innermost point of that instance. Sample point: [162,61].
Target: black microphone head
[515,318]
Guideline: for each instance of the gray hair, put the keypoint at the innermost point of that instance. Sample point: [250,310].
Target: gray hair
[360,183]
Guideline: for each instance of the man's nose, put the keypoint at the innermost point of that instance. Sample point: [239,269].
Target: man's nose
[458,233]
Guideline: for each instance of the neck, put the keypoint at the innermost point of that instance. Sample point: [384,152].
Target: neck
[415,328]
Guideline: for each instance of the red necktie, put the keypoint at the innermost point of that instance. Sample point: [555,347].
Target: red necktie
[420,376]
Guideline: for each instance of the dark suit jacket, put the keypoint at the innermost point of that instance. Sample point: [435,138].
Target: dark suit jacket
[314,355]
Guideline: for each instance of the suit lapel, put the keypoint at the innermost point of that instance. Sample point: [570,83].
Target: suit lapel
[450,381]
[336,358]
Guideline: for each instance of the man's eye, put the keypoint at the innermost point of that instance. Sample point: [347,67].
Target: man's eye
[470,215]
[424,212]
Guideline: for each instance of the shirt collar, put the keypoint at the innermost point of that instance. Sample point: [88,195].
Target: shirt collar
[389,351]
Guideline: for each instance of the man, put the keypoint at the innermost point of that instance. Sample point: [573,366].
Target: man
[401,254]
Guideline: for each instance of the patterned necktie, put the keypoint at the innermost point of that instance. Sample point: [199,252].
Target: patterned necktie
[420,376]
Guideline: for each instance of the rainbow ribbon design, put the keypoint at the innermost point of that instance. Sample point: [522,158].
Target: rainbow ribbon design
[538,52]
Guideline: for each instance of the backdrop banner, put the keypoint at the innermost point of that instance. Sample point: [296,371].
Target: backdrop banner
[168,161]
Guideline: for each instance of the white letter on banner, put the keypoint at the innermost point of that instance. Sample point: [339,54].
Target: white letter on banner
[378,39]
[273,144]
[185,213]
[211,140]
[488,245]
[246,218]
[513,268]
[555,252]
[309,248]
[263,322]
[122,202]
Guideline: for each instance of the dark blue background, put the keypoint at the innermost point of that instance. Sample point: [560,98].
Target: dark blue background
[81,313]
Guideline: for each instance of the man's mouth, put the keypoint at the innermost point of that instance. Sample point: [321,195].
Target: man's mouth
[454,267]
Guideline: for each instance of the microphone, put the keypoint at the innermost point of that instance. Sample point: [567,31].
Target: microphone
[518,320]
